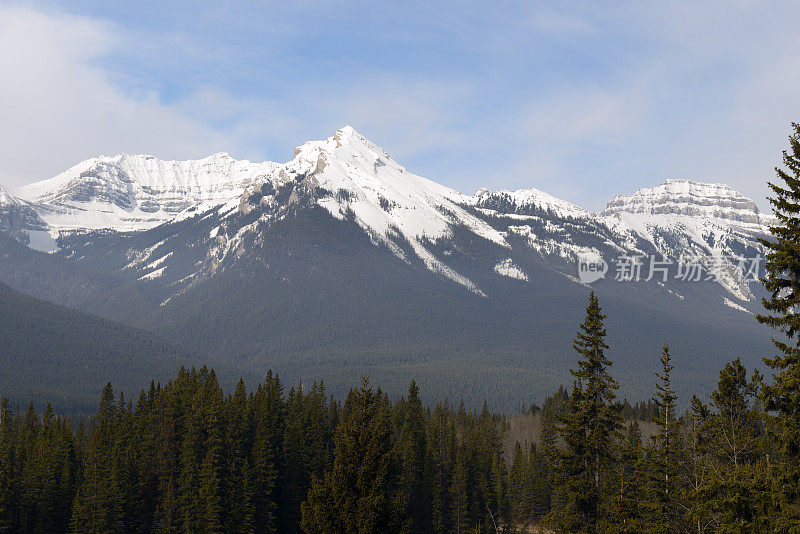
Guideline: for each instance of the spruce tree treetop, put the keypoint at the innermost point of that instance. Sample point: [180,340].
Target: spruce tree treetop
[783,258]
[661,508]
[665,397]
[599,386]
[590,343]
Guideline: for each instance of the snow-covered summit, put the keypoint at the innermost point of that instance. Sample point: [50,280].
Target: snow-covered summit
[6,199]
[9,203]
[145,175]
[136,192]
[694,219]
[527,201]
[687,197]
[350,176]
[382,194]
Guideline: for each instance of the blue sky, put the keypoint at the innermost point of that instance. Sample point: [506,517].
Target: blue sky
[581,99]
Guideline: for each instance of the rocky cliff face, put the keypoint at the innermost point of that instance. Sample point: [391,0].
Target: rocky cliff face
[18,218]
[686,197]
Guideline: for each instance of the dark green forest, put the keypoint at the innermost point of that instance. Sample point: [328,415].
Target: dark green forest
[188,457]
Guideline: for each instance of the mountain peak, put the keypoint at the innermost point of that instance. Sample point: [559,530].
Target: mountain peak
[346,132]
[345,145]
[526,201]
[688,197]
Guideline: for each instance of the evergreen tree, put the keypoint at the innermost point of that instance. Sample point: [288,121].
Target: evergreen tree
[294,468]
[459,496]
[572,483]
[441,455]
[269,412]
[125,467]
[782,281]
[7,504]
[318,433]
[517,490]
[727,497]
[357,495]
[553,410]
[414,492]
[98,505]
[210,478]
[536,483]
[663,513]
[187,393]
[238,480]
[590,429]
[737,422]
[167,517]
[699,495]
[631,481]
[264,475]
[498,505]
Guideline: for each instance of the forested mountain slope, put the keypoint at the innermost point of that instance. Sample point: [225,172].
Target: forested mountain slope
[49,351]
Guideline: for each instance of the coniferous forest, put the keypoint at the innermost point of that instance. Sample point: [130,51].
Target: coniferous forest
[188,457]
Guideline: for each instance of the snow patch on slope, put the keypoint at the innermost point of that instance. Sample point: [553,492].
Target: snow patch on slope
[507,268]
[153,274]
[735,306]
[550,247]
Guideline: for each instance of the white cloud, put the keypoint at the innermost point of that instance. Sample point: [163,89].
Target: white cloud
[57,106]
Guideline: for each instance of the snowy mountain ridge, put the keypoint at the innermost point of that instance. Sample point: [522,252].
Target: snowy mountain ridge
[135,192]
[688,197]
[353,179]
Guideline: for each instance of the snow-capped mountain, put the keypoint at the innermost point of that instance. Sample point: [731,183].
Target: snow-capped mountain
[137,192]
[687,197]
[525,202]
[684,219]
[351,178]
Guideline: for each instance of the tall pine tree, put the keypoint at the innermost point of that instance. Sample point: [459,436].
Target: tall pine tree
[590,431]
[411,452]
[662,509]
[782,281]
